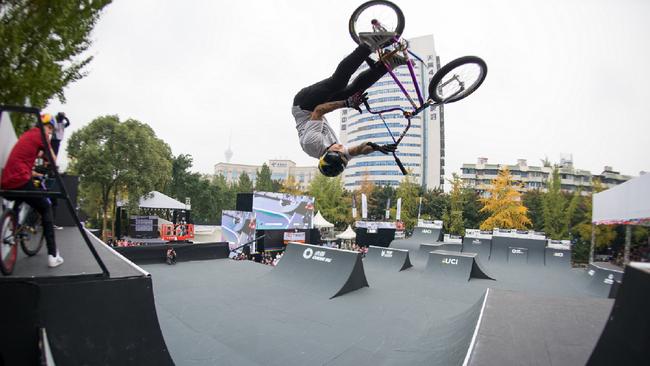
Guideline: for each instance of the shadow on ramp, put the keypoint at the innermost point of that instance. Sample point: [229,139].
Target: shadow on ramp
[320,270]
[626,337]
[394,260]
[455,266]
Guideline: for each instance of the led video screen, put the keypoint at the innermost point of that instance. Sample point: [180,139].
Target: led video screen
[282,211]
[238,228]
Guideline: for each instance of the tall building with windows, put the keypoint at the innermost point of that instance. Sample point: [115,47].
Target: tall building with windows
[479,176]
[280,170]
[422,150]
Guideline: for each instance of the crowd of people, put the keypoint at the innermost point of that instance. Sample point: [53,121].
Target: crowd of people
[266,258]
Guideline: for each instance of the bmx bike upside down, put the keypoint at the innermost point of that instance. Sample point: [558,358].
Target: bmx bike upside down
[451,83]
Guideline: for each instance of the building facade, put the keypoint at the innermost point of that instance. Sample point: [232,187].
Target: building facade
[280,170]
[422,149]
[479,176]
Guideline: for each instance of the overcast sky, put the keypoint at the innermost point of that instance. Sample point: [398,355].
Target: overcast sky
[565,76]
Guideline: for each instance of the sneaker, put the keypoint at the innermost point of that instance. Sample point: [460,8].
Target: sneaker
[393,59]
[58,227]
[376,40]
[53,261]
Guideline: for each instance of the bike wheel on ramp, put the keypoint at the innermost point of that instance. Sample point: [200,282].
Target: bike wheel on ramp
[455,266]
[394,260]
[320,270]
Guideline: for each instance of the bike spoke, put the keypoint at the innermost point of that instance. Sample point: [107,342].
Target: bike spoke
[376,18]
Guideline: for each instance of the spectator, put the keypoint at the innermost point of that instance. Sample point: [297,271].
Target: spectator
[62,122]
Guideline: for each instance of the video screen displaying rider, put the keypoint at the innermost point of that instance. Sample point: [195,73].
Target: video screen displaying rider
[282,211]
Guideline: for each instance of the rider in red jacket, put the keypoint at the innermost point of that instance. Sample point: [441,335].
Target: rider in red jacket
[18,174]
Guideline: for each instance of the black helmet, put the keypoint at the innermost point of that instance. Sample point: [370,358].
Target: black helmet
[331,164]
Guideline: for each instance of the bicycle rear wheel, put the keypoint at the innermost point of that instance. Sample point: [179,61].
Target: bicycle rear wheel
[31,234]
[8,247]
[457,79]
[376,16]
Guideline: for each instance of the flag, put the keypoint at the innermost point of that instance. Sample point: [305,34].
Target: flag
[364,206]
[419,208]
[354,207]
[388,209]
[398,216]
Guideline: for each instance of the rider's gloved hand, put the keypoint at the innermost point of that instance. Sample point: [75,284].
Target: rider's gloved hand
[356,99]
[384,149]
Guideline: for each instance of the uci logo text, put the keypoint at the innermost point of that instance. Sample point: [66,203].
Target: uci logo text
[558,254]
[426,231]
[387,253]
[450,261]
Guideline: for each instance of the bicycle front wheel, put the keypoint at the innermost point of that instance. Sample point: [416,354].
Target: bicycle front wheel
[376,16]
[457,79]
[8,248]
[31,234]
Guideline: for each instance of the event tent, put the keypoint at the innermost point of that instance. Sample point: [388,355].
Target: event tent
[626,204]
[320,222]
[159,200]
[348,234]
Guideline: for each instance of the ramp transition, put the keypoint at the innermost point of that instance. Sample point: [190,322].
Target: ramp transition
[394,260]
[455,265]
[320,270]
[626,337]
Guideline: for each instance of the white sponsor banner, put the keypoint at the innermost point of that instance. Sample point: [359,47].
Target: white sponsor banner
[388,209]
[398,215]
[354,207]
[294,237]
[364,206]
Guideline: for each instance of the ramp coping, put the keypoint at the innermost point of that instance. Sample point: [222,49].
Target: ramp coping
[449,252]
[605,268]
[135,266]
[389,248]
[318,246]
[478,325]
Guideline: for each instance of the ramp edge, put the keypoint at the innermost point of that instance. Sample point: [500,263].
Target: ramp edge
[478,325]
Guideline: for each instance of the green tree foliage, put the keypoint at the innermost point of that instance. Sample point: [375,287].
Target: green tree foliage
[245,184]
[605,234]
[558,210]
[533,202]
[331,200]
[118,161]
[504,205]
[42,48]
[208,196]
[409,192]
[434,204]
[453,218]
[472,215]
[264,183]
[378,199]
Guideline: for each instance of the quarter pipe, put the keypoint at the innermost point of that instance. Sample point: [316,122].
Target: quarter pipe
[394,260]
[455,266]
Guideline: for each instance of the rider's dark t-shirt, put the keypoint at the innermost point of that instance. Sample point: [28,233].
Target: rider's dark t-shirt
[18,168]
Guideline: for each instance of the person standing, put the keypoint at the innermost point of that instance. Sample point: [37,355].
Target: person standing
[62,122]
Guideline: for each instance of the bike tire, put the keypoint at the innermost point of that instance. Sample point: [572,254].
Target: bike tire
[437,81]
[397,27]
[33,240]
[8,247]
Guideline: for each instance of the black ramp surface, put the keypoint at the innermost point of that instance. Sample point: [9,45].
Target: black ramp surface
[480,246]
[387,258]
[603,276]
[455,266]
[557,257]
[326,271]
[626,337]
[501,249]
[524,329]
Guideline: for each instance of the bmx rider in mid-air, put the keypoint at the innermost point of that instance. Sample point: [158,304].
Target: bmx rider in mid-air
[311,104]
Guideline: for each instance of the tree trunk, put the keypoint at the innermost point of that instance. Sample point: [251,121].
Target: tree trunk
[628,242]
[593,243]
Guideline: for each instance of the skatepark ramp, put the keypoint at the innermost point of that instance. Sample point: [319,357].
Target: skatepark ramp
[557,255]
[626,337]
[477,242]
[455,266]
[320,270]
[603,277]
[426,234]
[518,249]
[394,260]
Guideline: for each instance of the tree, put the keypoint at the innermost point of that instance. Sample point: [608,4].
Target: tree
[118,160]
[434,204]
[533,202]
[264,183]
[367,187]
[291,186]
[378,199]
[330,199]
[453,218]
[245,184]
[409,191]
[605,234]
[504,205]
[472,215]
[557,209]
[42,48]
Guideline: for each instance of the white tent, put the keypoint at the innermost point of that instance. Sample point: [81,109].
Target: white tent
[156,199]
[348,234]
[319,221]
[627,203]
